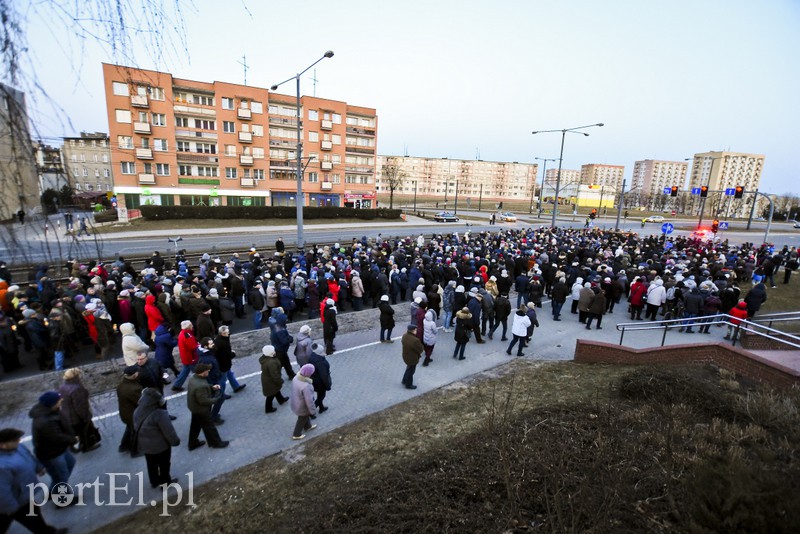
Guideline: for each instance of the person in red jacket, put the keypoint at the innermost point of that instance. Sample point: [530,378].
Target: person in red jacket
[740,313]
[187,346]
[154,316]
[638,291]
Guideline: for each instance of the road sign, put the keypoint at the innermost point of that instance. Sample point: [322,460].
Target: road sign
[723,226]
[667,190]
[695,190]
[667,228]
[729,192]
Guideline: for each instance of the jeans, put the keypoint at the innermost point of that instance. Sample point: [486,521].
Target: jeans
[230,377]
[520,299]
[257,319]
[497,323]
[60,467]
[388,333]
[215,409]
[458,352]
[182,376]
[59,354]
[448,319]
[521,340]
[690,322]
[557,309]
[408,376]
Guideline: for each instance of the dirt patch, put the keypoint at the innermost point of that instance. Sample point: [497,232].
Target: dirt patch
[544,446]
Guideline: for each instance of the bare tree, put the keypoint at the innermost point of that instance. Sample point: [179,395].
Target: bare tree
[393,177]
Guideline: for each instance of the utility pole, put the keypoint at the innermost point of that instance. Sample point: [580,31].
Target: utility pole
[314,80]
[243,63]
[619,207]
[752,209]
[480,198]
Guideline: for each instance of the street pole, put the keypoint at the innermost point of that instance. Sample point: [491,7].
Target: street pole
[480,198]
[602,193]
[752,209]
[455,202]
[300,200]
[415,196]
[530,206]
[544,174]
[703,199]
[619,207]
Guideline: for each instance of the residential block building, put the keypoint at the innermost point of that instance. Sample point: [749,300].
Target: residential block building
[650,176]
[444,177]
[186,142]
[721,170]
[50,167]
[87,159]
[568,177]
[17,156]
[600,174]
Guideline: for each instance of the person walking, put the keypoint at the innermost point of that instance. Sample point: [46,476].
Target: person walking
[302,349]
[330,326]
[82,227]
[502,309]
[155,436]
[519,329]
[559,297]
[199,400]
[597,308]
[584,300]
[412,350]
[76,410]
[386,319]
[321,378]
[206,355]
[187,348]
[20,472]
[474,305]
[636,298]
[131,343]
[430,331]
[281,339]
[225,356]
[302,401]
[463,330]
[52,438]
[165,343]
[129,391]
[271,379]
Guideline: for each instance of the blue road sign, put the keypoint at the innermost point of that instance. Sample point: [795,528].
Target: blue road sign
[729,192]
[667,190]
[695,190]
[723,226]
[667,228]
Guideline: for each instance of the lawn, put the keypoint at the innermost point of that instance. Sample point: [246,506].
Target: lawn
[199,224]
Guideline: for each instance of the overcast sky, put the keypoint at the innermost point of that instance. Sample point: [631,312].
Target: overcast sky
[461,78]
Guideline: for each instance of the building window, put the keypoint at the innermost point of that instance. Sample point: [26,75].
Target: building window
[227,103]
[207,171]
[145,142]
[120,89]
[183,146]
[128,167]
[258,152]
[313,137]
[204,100]
[181,97]
[162,169]
[184,170]
[76,171]
[313,115]
[258,130]
[181,122]
[148,168]
[228,126]
[313,177]
[257,107]
[159,119]
[157,93]
[336,139]
[336,179]
[230,150]
[106,173]
[167,200]
[204,124]
[97,173]
[125,141]
[160,145]
[123,116]
[258,174]
[272,109]
[206,148]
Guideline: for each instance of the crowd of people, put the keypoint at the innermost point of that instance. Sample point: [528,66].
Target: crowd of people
[460,284]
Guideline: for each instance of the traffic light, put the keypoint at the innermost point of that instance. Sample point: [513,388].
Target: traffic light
[703,191]
[715,226]
[738,192]
[674,192]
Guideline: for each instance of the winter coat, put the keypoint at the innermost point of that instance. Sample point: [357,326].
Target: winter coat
[152,424]
[321,378]
[656,294]
[154,316]
[429,328]
[412,348]
[521,323]
[302,398]
[598,304]
[585,299]
[286,298]
[575,293]
[638,291]
[187,347]
[257,300]
[37,332]
[387,314]
[165,342]
[281,339]
[227,309]
[128,393]
[755,298]
[51,433]
[474,306]
[75,407]
[302,349]
[131,343]
[693,301]
[463,326]
[739,312]
[271,379]
[201,397]
[560,293]
[164,307]
[19,474]
[502,308]
[330,327]
[448,298]
[356,287]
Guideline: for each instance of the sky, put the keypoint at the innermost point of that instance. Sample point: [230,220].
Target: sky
[472,79]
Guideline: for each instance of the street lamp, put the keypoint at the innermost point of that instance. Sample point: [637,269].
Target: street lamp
[561,159]
[300,199]
[708,184]
[541,191]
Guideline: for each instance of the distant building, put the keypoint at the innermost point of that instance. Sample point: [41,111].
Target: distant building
[50,167]
[651,177]
[475,179]
[567,177]
[20,188]
[609,176]
[87,160]
[726,170]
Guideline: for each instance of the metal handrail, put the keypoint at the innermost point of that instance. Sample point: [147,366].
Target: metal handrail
[709,320]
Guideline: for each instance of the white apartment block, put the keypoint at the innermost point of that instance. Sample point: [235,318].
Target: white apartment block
[650,176]
[87,159]
[568,177]
[726,170]
[439,177]
[609,176]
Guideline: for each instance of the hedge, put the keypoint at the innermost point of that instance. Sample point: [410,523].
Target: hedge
[162,213]
[106,216]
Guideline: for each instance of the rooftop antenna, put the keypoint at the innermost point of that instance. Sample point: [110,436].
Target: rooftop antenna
[315,80]
[477,153]
[243,63]
[405,150]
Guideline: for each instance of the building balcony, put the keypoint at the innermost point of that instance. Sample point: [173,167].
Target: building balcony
[147,179]
[188,157]
[246,160]
[326,125]
[283,121]
[359,170]
[326,145]
[282,164]
[326,186]
[247,182]
[326,165]
[360,131]
[144,153]
[243,113]
[140,101]
[141,127]
[246,137]
[183,109]
[194,135]
[360,150]
[286,144]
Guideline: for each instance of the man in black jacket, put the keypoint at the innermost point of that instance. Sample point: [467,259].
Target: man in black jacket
[52,437]
[225,356]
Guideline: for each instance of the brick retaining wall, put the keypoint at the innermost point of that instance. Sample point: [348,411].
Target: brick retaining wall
[726,356]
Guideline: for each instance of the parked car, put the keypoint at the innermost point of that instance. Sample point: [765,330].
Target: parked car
[445,216]
[506,216]
[797,225]
[654,219]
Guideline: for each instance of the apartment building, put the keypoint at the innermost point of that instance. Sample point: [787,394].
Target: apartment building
[568,177]
[187,142]
[50,167]
[721,170]
[17,156]
[600,174]
[650,176]
[442,177]
[87,161]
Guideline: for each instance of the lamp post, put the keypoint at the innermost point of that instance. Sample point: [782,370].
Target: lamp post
[541,190]
[708,184]
[300,199]
[561,159]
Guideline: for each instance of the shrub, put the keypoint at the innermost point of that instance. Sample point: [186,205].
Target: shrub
[106,216]
[161,213]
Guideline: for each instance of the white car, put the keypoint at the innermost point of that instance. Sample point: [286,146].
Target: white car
[654,219]
[506,217]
